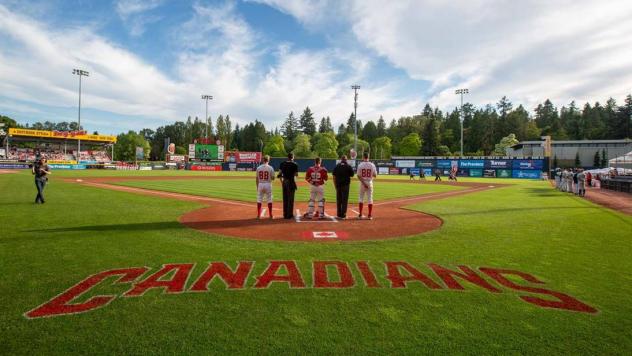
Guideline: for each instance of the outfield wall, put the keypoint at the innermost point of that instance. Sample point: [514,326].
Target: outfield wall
[491,167]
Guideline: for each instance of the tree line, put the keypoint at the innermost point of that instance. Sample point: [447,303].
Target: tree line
[487,130]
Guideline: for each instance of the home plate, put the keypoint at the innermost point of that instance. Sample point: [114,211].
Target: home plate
[325,235]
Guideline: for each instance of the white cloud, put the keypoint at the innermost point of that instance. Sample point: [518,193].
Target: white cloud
[134,15]
[126,8]
[36,65]
[528,50]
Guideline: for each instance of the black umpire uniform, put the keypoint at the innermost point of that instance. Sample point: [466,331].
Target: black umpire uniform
[342,179]
[288,170]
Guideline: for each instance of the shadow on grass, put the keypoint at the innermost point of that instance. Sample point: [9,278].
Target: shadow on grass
[544,192]
[133,227]
[166,225]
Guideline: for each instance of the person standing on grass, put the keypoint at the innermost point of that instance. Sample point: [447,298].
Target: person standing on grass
[41,171]
[264,178]
[575,186]
[342,180]
[288,171]
[581,183]
[437,175]
[366,173]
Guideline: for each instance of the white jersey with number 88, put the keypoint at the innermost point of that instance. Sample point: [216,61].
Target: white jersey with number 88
[366,171]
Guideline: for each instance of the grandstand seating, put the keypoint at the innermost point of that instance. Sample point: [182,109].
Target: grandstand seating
[28,155]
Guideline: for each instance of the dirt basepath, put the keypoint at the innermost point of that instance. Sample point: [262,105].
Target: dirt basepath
[8,171]
[614,200]
[238,219]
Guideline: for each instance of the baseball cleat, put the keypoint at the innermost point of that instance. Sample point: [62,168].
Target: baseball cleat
[369,217]
[360,217]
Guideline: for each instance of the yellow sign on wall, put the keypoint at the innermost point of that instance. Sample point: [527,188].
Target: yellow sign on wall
[73,135]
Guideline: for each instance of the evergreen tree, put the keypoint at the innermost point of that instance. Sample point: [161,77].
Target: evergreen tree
[369,132]
[431,138]
[322,128]
[597,160]
[381,127]
[290,127]
[504,110]
[307,123]
[604,158]
[227,137]
[221,130]
[578,162]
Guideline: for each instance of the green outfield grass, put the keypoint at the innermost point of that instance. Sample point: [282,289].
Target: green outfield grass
[574,246]
[245,190]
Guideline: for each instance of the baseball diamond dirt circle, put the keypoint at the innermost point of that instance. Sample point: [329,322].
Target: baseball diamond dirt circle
[236,219]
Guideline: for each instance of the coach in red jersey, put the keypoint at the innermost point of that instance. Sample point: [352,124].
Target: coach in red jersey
[316,176]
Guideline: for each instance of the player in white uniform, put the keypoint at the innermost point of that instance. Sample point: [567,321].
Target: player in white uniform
[366,172]
[265,176]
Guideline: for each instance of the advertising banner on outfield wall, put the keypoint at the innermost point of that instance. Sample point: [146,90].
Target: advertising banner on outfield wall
[393,171]
[471,163]
[522,164]
[67,166]
[405,163]
[205,168]
[382,170]
[530,174]
[476,172]
[489,173]
[244,157]
[497,164]
[463,172]
[425,163]
[503,173]
[414,171]
[444,163]
[14,166]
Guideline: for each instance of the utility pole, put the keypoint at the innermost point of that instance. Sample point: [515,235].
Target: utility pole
[207,98]
[355,88]
[80,73]
[461,92]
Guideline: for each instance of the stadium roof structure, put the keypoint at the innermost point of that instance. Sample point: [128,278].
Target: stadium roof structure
[17,134]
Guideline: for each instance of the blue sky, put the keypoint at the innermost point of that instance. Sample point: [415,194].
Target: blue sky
[149,61]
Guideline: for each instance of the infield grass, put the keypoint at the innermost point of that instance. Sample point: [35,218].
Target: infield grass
[576,247]
[245,189]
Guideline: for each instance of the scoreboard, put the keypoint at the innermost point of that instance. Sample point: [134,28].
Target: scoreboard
[202,152]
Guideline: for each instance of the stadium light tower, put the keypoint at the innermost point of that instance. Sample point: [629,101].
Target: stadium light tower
[80,73]
[207,98]
[461,92]
[355,88]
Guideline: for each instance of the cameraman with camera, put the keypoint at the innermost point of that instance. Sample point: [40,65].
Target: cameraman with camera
[41,172]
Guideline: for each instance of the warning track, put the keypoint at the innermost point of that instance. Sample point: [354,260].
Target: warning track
[238,219]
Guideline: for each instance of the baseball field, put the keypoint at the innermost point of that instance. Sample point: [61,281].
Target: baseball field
[174,262]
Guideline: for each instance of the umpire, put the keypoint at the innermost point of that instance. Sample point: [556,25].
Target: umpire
[41,171]
[342,179]
[288,171]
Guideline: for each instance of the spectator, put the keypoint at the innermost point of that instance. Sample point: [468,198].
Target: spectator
[41,171]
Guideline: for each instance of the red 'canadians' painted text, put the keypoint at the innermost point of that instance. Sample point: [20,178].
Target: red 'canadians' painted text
[175,277]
